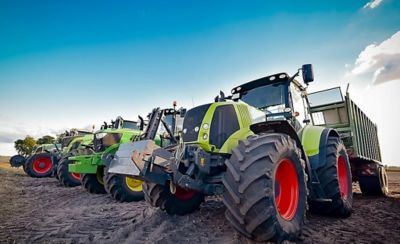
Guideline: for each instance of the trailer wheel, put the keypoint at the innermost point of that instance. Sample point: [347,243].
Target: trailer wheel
[265,188]
[39,165]
[123,188]
[65,177]
[335,180]
[93,183]
[181,203]
[375,185]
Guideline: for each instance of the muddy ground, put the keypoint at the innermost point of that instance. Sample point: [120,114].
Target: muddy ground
[41,211]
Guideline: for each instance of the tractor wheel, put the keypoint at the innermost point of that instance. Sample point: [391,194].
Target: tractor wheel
[181,203]
[93,183]
[64,176]
[123,188]
[17,161]
[335,180]
[265,188]
[375,185]
[39,165]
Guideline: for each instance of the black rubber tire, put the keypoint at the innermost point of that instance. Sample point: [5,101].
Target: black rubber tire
[375,185]
[17,161]
[91,183]
[115,185]
[249,184]
[328,178]
[64,176]
[29,166]
[24,168]
[161,197]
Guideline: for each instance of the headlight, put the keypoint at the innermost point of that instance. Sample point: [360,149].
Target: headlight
[205,126]
[196,129]
[100,135]
[205,136]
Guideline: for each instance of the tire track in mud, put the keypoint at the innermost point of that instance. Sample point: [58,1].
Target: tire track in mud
[40,210]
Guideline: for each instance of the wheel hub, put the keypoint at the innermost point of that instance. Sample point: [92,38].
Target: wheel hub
[286,189]
[342,177]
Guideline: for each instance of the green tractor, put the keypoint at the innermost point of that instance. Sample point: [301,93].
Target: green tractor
[77,146]
[91,165]
[259,150]
[44,159]
[161,128]
[39,161]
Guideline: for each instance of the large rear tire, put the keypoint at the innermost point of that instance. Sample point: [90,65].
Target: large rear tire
[181,203]
[65,177]
[335,180]
[375,185]
[39,165]
[123,188]
[93,183]
[265,188]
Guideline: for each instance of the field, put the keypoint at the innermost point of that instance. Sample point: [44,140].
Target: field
[41,211]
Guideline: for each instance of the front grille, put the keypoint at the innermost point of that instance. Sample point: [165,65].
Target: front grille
[193,119]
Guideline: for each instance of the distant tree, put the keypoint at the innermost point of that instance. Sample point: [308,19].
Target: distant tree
[45,140]
[25,147]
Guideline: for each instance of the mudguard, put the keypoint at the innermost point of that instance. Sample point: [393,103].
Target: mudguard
[314,140]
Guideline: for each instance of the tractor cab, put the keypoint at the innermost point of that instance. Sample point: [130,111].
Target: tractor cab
[279,96]
[119,123]
[119,129]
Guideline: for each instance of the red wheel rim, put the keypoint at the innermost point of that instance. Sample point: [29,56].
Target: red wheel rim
[42,165]
[183,194]
[342,177]
[286,189]
[76,176]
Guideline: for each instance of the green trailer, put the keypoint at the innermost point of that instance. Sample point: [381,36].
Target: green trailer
[329,108]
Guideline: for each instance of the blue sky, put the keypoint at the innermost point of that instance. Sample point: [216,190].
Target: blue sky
[72,64]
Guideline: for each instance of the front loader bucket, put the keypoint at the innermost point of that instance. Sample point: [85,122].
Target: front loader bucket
[17,161]
[130,157]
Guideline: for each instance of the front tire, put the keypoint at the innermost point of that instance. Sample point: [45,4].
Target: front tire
[265,188]
[123,188]
[181,203]
[39,165]
[65,177]
[93,183]
[335,180]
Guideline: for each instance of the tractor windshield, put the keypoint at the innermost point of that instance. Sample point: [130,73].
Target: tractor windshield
[131,125]
[269,98]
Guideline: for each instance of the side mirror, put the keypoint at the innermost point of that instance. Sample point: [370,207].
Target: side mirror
[182,112]
[308,74]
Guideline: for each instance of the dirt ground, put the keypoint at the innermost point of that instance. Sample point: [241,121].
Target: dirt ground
[41,211]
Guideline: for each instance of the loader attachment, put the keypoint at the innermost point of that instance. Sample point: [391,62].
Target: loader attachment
[131,157]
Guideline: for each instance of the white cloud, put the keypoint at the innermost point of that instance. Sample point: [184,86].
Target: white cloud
[373,4]
[382,60]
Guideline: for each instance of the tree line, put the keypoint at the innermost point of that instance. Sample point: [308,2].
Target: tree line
[25,146]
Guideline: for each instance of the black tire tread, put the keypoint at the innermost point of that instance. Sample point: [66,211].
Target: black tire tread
[91,184]
[114,185]
[247,171]
[327,176]
[29,170]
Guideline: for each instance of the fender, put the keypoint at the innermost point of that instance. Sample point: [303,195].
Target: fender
[314,140]
[283,126]
[105,156]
